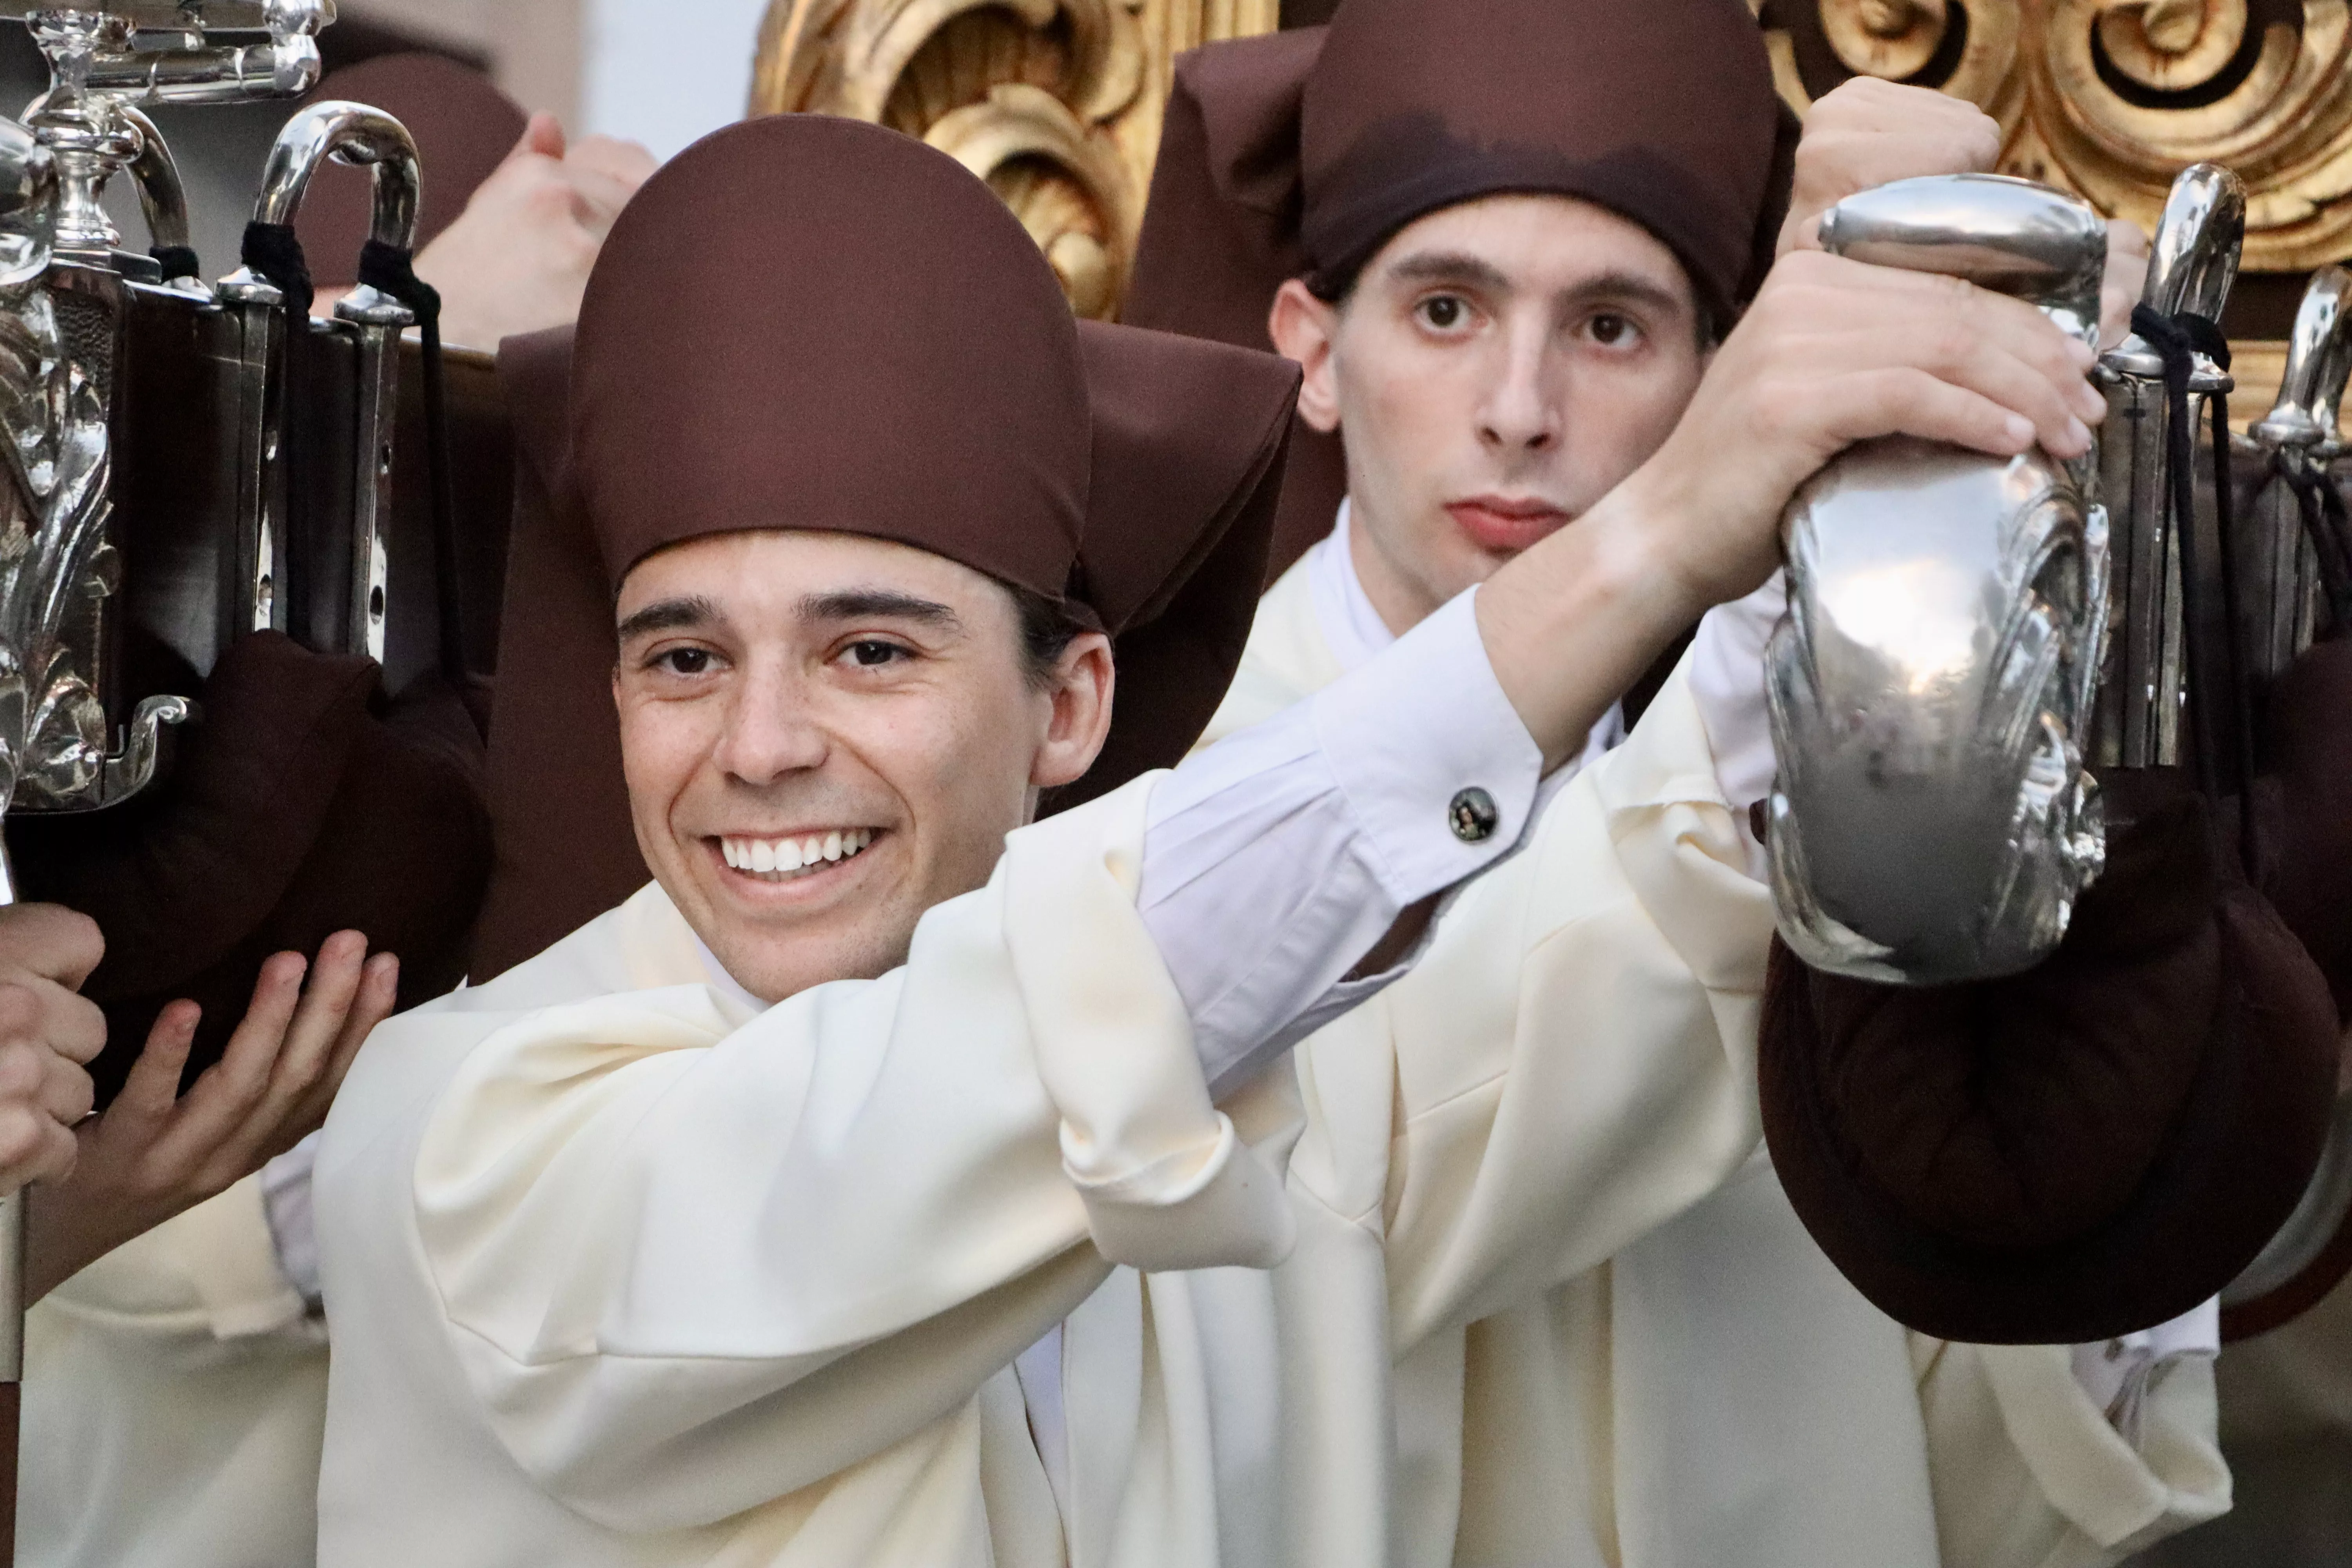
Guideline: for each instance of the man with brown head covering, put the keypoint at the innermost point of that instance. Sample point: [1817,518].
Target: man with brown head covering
[1507,243]
[892,1182]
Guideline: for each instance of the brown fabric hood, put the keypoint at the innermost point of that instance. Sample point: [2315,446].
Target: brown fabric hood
[1302,153]
[463,127]
[918,370]
[1139,486]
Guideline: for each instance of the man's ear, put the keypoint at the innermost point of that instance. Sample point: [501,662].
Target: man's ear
[1081,694]
[1302,328]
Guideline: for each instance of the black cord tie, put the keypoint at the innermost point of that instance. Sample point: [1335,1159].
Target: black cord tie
[274,252]
[177,261]
[2177,340]
[392,269]
[2325,525]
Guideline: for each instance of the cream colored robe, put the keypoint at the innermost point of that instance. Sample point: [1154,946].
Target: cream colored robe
[579,1318]
[1675,1376]
[174,1392]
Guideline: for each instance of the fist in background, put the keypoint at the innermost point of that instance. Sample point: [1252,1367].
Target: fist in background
[517,260]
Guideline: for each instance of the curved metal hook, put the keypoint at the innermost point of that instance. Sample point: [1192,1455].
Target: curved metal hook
[350,134]
[2193,260]
[161,196]
[2318,361]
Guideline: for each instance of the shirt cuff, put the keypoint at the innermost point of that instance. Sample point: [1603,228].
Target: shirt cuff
[1438,770]
[293,1228]
[2116,1374]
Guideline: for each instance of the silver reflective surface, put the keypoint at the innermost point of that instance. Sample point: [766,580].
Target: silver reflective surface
[1931,687]
[2193,263]
[186,16]
[1932,821]
[2009,235]
[2278,570]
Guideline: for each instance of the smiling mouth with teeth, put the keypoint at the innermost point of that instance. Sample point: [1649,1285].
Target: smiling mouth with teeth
[787,859]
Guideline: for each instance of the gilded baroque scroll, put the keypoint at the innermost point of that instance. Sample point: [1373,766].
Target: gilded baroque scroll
[1056,104]
[2112,98]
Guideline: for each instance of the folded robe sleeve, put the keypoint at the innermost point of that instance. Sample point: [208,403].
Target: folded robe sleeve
[1572,1062]
[2028,1473]
[691,1261]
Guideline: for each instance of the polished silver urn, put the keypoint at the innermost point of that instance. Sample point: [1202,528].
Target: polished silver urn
[1932,686]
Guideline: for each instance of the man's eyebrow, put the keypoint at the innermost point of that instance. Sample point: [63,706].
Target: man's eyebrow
[669,616]
[1629,286]
[1449,266]
[879,604]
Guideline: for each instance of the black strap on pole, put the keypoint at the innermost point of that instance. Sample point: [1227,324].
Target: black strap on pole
[2212,672]
[273,253]
[393,270]
[177,261]
[2325,525]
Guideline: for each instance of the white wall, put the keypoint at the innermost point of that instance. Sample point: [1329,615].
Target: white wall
[665,72]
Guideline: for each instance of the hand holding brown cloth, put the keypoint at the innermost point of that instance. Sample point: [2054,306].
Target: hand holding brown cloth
[302,804]
[2087,1149]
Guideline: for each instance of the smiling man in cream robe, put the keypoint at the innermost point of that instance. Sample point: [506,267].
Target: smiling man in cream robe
[875,1188]
[1428,205]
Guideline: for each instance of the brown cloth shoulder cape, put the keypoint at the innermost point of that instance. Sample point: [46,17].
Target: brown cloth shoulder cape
[463,127]
[1300,153]
[2089,1148]
[867,342]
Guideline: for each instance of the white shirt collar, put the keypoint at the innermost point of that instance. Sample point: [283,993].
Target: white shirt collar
[1344,613]
[1342,610]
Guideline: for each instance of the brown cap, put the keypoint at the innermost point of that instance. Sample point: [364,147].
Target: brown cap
[463,127]
[869,344]
[1302,153]
[2092,1147]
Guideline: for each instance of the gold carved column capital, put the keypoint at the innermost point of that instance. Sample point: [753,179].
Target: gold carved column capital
[1056,104]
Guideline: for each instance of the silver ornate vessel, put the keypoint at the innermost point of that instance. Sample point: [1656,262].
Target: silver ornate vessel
[1932,687]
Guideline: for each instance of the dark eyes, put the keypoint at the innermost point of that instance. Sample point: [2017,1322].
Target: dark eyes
[869,652]
[684,660]
[1609,330]
[1442,311]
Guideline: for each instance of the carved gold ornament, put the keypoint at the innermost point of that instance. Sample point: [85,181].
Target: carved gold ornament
[1056,104]
[2112,98]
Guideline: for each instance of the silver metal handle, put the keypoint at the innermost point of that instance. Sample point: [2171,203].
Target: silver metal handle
[2318,361]
[2193,260]
[350,134]
[277,16]
[2009,235]
[162,197]
[286,67]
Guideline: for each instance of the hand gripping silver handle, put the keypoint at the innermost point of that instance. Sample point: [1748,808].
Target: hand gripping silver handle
[1930,822]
